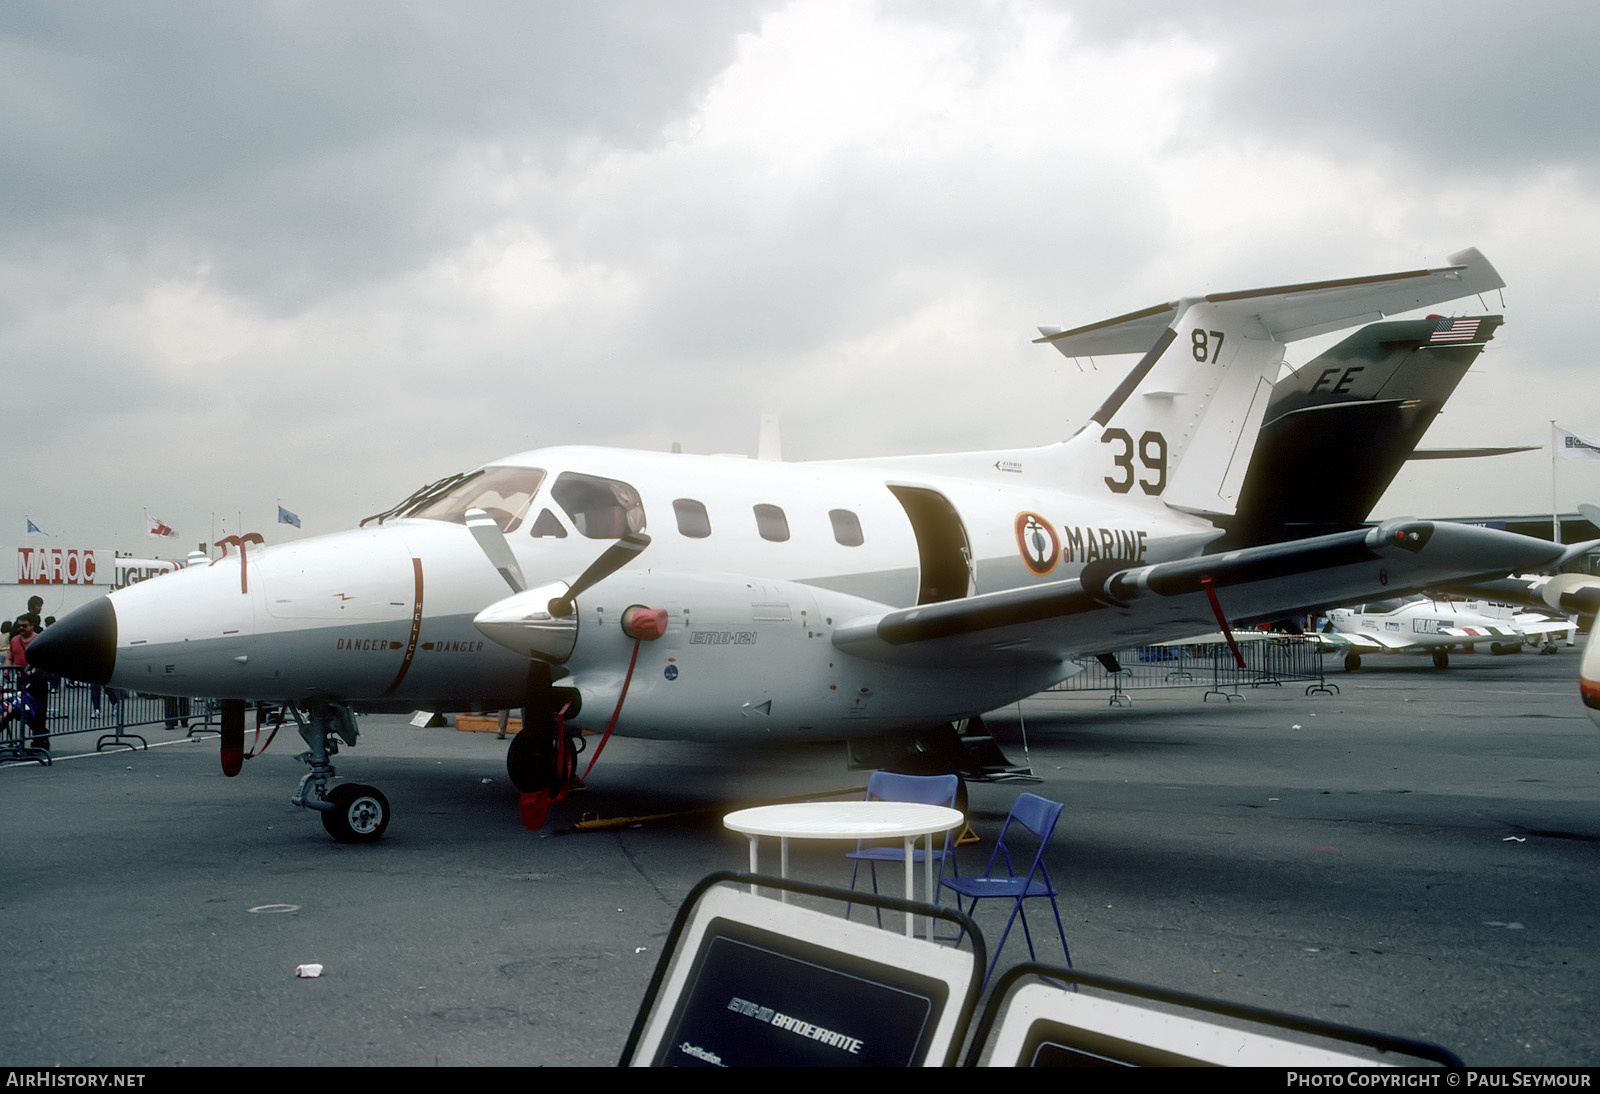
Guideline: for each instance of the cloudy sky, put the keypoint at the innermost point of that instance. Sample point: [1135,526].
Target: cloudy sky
[325,252]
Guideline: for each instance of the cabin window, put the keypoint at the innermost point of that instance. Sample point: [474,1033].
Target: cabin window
[548,525]
[693,521]
[846,527]
[771,523]
[503,492]
[599,508]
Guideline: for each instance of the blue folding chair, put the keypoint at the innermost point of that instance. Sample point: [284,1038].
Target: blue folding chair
[1038,815]
[886,786]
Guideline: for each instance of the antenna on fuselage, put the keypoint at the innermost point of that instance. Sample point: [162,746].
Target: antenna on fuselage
[768,445]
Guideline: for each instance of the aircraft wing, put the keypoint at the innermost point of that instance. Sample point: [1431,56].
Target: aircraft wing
[1544,626]
[1469,453]
[1291,312]
[1481,631]
[1111,606]
[1363,641]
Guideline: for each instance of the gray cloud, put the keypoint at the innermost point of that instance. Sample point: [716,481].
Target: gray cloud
[328,251]
[1496,88]
[298,148]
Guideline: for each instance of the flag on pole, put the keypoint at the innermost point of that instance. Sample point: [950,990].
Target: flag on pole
[157,528]
[1571,446]
[286,517]
[32,527]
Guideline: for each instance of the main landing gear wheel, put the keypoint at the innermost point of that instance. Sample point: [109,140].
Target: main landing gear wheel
[1441,659]
[359,813]
[528,762]
[536,764]
[1352,661]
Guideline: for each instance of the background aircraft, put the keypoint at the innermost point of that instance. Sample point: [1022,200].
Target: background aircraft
[1424,624]
[1340,427]
[850,599]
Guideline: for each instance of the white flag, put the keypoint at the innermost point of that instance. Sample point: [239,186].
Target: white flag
[1570,446]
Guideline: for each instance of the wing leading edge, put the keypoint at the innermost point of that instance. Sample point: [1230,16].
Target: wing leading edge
[1109,608]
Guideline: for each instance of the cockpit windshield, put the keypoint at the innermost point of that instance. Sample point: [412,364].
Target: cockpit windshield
[503,492]
[1384,607]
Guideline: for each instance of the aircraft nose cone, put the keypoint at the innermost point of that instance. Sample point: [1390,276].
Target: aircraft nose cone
[81,646]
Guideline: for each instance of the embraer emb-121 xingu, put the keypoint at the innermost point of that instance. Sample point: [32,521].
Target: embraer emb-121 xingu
[830,600]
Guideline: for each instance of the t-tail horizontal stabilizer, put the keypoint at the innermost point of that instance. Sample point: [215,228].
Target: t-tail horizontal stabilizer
[1182,425]
[1292,312]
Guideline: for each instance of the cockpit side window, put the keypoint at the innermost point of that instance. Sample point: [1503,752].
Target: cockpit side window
[599,508]
[548,525]
[503,492]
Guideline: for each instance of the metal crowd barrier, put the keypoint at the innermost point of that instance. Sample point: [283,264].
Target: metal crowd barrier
[73,708]
[1268,662]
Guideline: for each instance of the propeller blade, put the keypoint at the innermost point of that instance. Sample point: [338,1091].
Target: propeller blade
[493,544]
[1577,594]
[618,555]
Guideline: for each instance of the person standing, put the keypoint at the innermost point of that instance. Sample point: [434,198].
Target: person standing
[34,682]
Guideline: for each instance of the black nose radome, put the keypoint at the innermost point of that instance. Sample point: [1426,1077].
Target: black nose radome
[80,646]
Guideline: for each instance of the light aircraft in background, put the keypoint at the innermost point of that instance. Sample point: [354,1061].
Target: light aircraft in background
[807,601]
[1426,624]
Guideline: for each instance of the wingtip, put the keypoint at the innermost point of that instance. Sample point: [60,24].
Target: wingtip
[1477,270]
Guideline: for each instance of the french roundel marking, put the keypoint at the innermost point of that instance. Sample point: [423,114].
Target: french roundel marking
[1038,543]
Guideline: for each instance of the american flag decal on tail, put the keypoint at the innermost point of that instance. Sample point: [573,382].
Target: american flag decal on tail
[1454,330]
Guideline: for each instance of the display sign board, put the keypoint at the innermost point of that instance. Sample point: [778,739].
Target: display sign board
[68,577]
[1046,1021]
[754,982]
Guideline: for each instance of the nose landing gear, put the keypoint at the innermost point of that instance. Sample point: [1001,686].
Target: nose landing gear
[351,812]
[358,814]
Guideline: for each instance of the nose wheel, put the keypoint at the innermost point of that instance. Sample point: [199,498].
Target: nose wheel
[359,814]
[351,812]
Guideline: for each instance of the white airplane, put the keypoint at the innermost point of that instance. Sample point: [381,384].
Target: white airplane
[1426,624]
[770,599]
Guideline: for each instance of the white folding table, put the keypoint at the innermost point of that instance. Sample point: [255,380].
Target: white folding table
[851,820]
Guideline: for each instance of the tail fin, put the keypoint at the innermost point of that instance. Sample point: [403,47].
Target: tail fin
[1340,427]
[1182,425]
